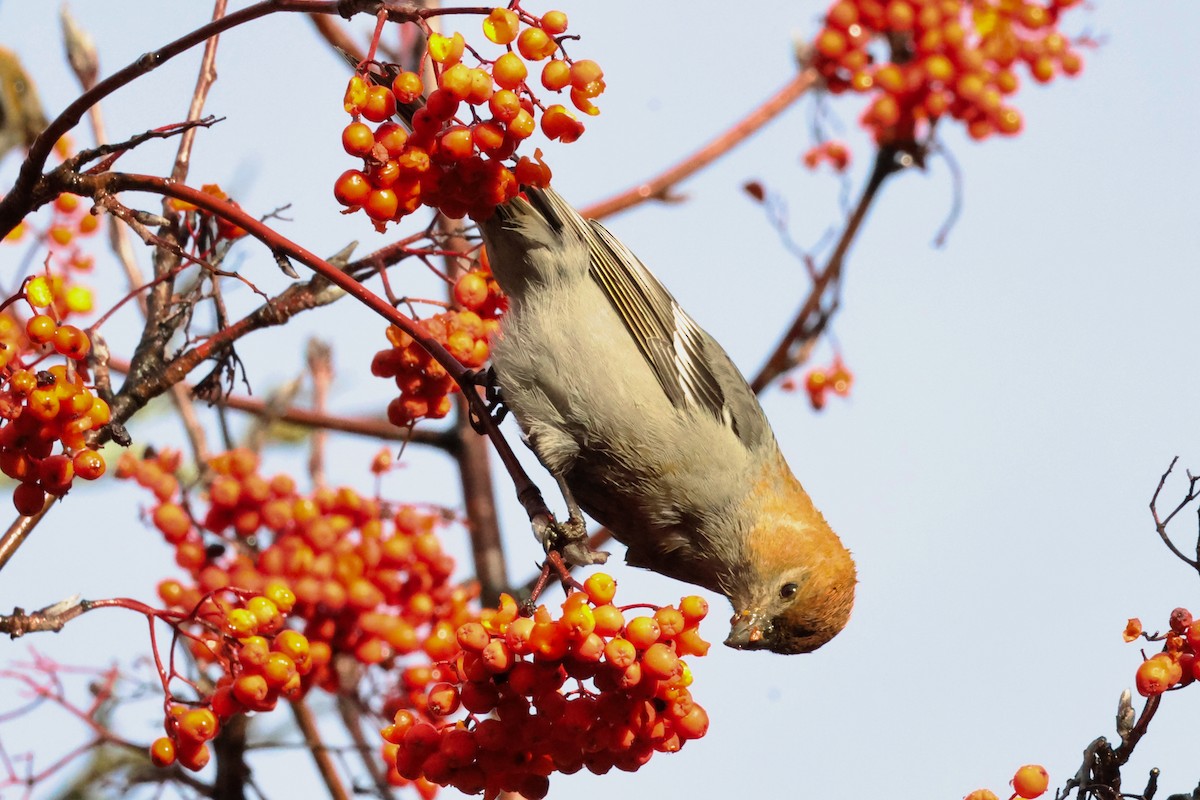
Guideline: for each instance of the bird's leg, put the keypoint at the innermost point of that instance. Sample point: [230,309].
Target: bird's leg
[567,539]
[491,395]
[575,522]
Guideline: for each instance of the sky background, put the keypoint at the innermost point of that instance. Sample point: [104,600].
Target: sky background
[1018,391]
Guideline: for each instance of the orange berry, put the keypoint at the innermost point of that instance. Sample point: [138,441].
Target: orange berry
[1008,121]
[278,670]
[693,608]
[620,653]
[407,87]
[381,204]
[560,124]
[456,80]
[358,139]
[549,641]
[481,87]
[380,105]
[1154,675]
[505,105]
[496,657]
[554,22]
[472,637]
[900,15]
[254,652]
[279,594]
[55,474]
[831,43]
[509,71]
[293,644]
[659,661]
[88,464]
[392,136]
[689,643]
[172,521]
[471,290]
[694,724]
[443,699]
[356,95]
[456,144]
[162,752]
[532,173]
[240,623]
[522,125]
[670,622]
[609,620]
[501,25]
[586,76]
[40,328]
[556,75]
[642,632]
[1031,781]
[252,691]
[446,50]
[517,636]
[578,622]
[266,613]
[38,291]
[535,44]
[352,188]
[198,725]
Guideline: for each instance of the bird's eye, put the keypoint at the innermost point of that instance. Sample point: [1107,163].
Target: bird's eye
[788,591]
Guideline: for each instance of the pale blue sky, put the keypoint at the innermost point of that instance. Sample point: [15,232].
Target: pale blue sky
[1018,391]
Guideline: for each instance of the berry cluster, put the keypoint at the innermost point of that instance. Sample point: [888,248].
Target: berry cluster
[44,407]
[1030,781]
[261,661]
[834,153]
[820,381]
[944,57]
[425,387]
[452,154]
[509,675]
[68,221]
[1176,665]
[370,581]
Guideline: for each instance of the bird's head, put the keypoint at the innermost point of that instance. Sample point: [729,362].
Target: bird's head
[796,587]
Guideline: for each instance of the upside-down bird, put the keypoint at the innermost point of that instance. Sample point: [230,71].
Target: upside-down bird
[645,421]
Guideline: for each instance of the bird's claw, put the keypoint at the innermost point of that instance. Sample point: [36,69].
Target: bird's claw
[496,409]
[569,539]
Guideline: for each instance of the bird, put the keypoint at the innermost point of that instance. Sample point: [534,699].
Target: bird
[21,116]
[650,428]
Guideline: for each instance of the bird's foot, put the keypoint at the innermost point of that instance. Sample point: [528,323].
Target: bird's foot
[491,395]
[567,539]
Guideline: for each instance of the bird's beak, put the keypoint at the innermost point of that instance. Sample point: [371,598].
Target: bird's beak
[748,631]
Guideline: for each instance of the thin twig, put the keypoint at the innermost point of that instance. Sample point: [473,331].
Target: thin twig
[312,738]
[19,531]
[660,185]
[1160,525]
[320,366]
[812,317]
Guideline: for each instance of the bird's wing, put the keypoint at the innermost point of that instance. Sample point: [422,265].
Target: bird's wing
[693,370]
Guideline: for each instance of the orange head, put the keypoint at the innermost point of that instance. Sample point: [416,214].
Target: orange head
[796,586]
